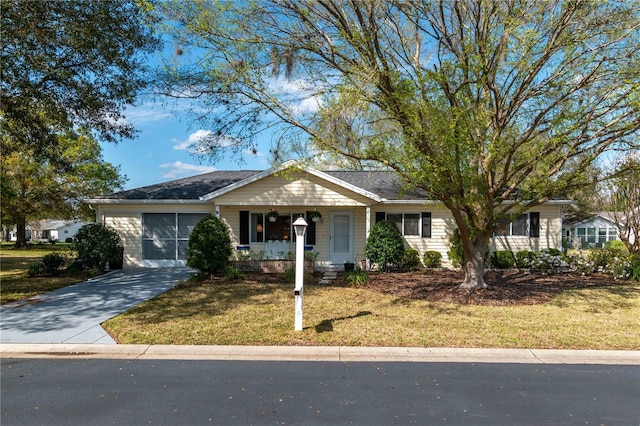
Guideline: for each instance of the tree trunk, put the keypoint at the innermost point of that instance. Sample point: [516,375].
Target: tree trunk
[474,264]
[21,232]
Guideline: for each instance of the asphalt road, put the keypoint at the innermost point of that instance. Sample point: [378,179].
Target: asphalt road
[136,392]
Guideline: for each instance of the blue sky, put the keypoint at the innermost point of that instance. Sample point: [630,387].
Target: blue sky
[159,152]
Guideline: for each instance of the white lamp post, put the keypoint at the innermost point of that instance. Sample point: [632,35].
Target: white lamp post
[300,227]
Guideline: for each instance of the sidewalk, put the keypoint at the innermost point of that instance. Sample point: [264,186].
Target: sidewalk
[318,353]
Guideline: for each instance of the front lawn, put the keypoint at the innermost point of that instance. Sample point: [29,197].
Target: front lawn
[14,282]
[600,314]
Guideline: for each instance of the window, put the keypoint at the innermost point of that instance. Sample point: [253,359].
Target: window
[591,235]
[602,234]
[165,236]
[262,229]
[613,234]
[411,224]
[525,225]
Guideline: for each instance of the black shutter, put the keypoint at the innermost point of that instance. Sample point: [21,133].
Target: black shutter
[311,230]
[534,224]
[244,226]
[426,225]
[380,216]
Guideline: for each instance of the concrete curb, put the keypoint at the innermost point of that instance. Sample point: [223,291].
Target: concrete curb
[318,353]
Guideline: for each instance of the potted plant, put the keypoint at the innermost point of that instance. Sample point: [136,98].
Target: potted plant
[273,215]
[349,266]
[315,215]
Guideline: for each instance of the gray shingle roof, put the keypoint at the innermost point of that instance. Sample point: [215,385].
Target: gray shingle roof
[190,188]
[384,184]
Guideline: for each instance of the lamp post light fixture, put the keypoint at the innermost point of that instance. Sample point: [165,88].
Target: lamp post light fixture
[300,227]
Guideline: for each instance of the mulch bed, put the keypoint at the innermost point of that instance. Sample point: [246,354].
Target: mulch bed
[507,287]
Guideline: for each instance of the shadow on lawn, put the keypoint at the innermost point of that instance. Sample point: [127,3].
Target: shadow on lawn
[327,325]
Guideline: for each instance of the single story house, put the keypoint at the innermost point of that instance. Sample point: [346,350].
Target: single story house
[50,230]
[591,232]
[259,207]
[56,229]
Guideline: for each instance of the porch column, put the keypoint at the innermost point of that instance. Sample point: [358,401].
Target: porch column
[367,221]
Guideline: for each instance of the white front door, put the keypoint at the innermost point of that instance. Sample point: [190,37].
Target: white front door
[341,237]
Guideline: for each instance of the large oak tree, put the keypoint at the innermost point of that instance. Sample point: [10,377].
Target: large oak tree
[493,107]
[69,64]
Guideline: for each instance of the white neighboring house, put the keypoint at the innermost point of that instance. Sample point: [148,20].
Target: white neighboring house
[591,232]
[55,229]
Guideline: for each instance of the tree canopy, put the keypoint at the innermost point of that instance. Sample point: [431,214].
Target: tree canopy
[34,189]
[69,64]
[493,107]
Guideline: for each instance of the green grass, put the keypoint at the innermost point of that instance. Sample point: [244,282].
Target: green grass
[263,314]
[14,282]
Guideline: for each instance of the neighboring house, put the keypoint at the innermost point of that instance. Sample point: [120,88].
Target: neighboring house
[55,229]
[591,232]
[155,222]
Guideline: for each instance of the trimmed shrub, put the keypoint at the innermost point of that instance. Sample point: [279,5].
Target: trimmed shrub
[68,240]
[34,269]
[209,246]
[432,259]
[617,246]
[503,259]
[524,258]
[96,245]
[410,260]
[385,246]
[555,252]
[52,263]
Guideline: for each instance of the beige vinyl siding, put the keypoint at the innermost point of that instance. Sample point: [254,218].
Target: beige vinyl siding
[129,228]
[279,191]
[550,233]
[442,226]
[127,221]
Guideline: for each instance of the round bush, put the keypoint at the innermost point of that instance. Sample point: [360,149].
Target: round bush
[432,259]
[524,258]
[385,246]
[410,260]
[503,259]
[209,246]
[96,245]
[52,262]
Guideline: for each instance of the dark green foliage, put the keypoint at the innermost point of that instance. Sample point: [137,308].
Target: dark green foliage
[209,246]
[410,260]
[96,245]
[68,240]
[635,266]
[524,258]
[52,262]
[503,259]
[35,269]
[555,252]
[456,252]
[385,246]
[432,259]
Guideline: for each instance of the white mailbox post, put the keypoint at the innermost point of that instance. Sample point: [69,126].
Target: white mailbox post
[300,227]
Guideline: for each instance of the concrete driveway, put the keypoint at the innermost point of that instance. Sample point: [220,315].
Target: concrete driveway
[73,314]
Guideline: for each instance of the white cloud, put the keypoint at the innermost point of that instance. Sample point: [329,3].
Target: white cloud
[194,138]
[179,169]
[300,94]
